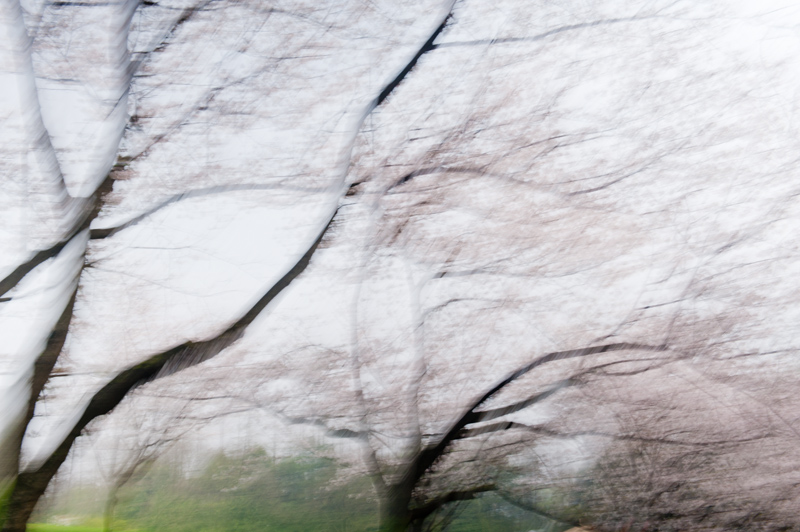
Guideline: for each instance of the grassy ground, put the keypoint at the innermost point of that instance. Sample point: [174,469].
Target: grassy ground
[46,527]
[43,527]
[252,492]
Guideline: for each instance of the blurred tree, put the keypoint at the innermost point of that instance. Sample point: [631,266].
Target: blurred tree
[151,427]
[98,97]
[613,180]
[556,178]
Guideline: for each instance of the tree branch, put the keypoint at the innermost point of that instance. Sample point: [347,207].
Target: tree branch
[486,415]
[13,278]
[88,214]
[427,47]
[539,37]
[431,454]
[105,232]
[31,484]
[545,430]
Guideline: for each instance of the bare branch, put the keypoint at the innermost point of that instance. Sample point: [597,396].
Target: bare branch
[105,232]
[534,38]
[547,431]
[427,47]
[12,279]
[32,484]
[430,455]
[486,415]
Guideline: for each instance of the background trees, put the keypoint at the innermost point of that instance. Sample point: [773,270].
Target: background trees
[524,179]
[596,180]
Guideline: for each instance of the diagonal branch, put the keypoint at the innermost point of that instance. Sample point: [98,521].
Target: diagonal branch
[192,353]
[547,431]
[89,213]
[427,47]
[105,232]
[12,279]
[31,484]
[487,415]
[428,457]
[187,13]
[539,37]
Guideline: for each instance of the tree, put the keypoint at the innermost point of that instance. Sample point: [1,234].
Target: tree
[100,97]
[494,219]
[151,427]
[540,178]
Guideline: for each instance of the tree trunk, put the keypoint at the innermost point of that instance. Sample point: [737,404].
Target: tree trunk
[10,448]
[395,514]
[108,513]
[27,491]
[31,485]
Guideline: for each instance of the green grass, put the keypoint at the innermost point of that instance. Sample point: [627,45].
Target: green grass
[44,527]
[47,527]
[253,492]
[87,525]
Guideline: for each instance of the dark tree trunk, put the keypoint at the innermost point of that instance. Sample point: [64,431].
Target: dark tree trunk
[31,485]
[395,512]
[27,491]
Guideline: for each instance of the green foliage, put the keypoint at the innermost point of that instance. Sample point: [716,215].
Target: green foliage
[247,493]
[252,492]
[490,513]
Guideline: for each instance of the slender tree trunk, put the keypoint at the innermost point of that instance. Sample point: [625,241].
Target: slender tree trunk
[108,513]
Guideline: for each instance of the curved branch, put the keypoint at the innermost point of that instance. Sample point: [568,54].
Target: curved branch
[486,415]
[89,212]
[105,232]
[430,455]
[12,279]
[546,431]
[534,38]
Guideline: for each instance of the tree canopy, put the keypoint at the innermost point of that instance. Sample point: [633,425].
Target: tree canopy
[546,238]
